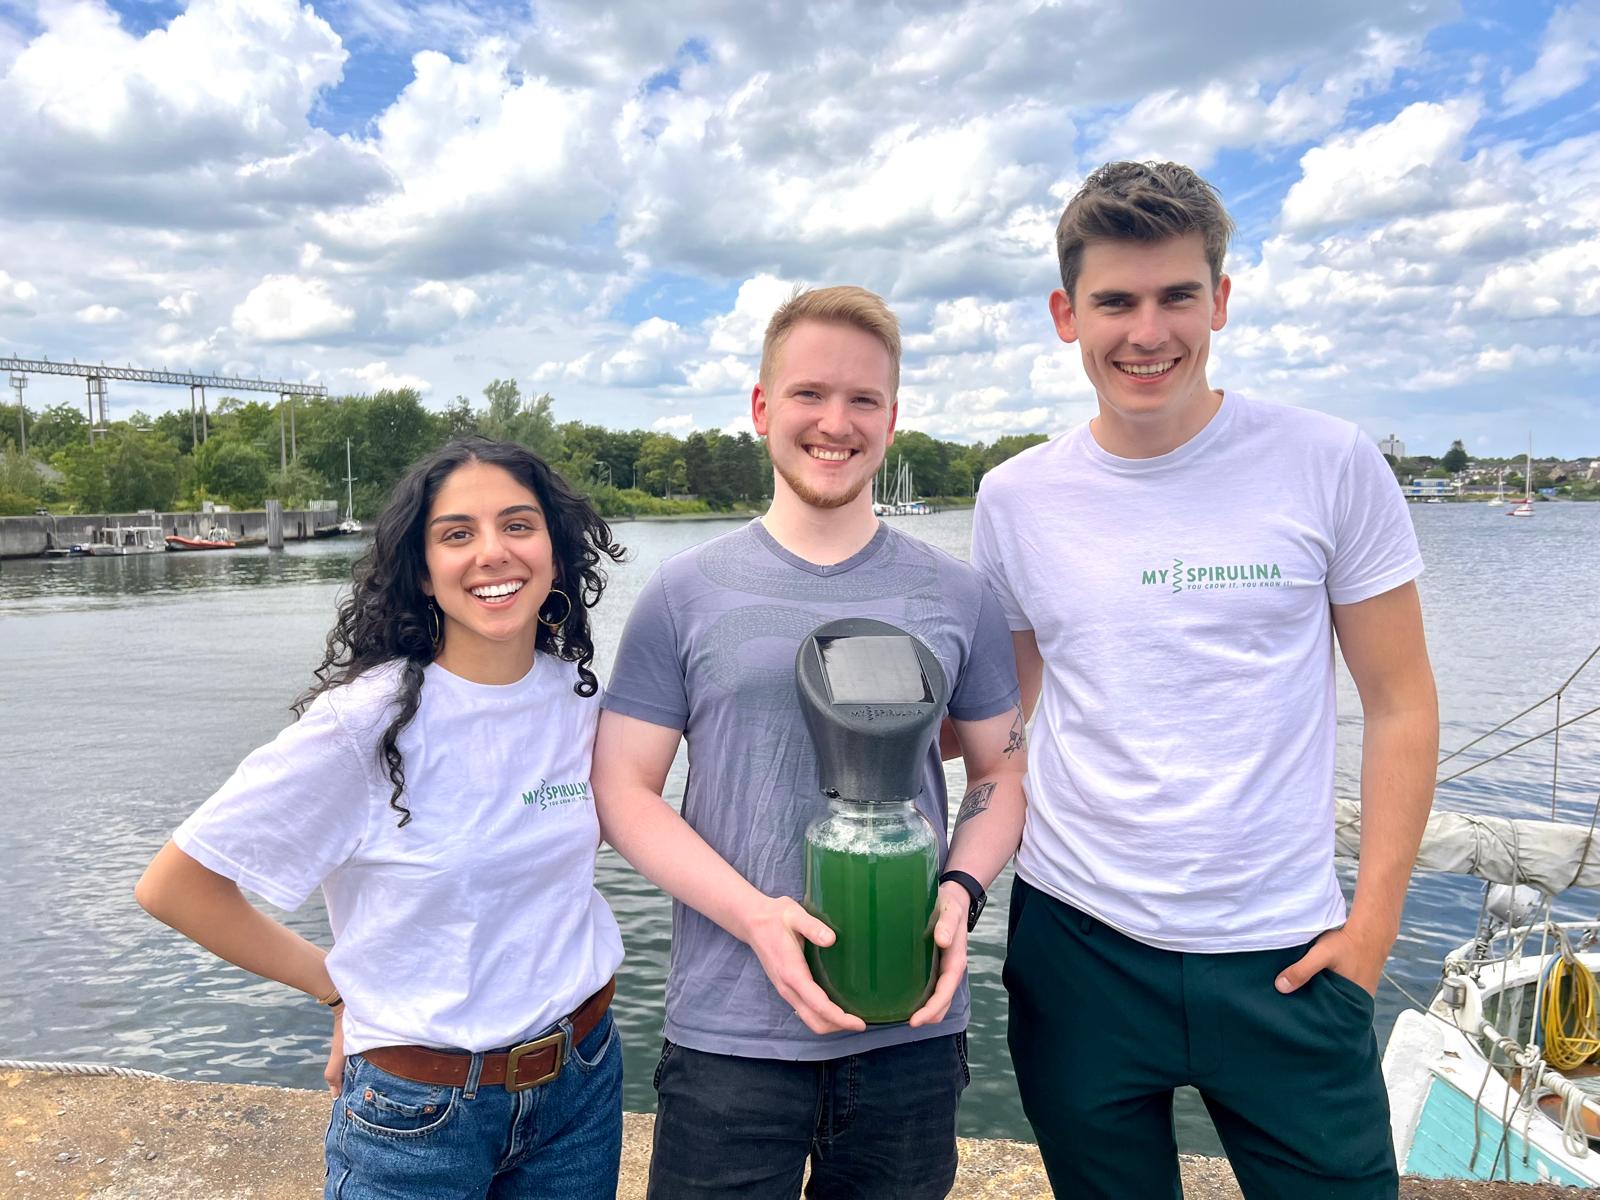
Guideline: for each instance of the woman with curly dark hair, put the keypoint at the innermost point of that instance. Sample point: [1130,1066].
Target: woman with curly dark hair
[436,787]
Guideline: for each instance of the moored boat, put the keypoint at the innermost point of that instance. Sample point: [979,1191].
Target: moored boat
[213,540]
[1498,1076]
[122,540]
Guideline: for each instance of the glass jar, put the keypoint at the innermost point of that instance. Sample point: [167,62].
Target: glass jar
[872,874]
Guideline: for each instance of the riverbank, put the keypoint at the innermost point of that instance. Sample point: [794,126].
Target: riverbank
[71,1136]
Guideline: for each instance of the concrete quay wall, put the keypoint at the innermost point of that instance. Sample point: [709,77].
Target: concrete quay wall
[29,537]
[71,1136]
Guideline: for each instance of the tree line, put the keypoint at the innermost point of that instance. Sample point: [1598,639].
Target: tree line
[160,463]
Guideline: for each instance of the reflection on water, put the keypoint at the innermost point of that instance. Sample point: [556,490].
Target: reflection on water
[130,688]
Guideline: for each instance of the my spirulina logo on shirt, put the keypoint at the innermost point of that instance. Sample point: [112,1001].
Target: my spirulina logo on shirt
[554,795]
[1186,577]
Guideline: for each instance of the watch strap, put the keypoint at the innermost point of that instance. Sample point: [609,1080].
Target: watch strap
[977,897]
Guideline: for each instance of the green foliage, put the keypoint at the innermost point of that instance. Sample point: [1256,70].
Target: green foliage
[295,486]
[251,421]
[15,504]
[176,427]
[232,471]
[20,476]
[509,419]
[124,471]
[632,500]
[459,419]
[56,428]
[1455,459]
[11,428]
[623,471]
[661,465]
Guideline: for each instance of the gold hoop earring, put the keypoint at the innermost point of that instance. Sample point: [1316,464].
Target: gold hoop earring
[552,626]
[433,624]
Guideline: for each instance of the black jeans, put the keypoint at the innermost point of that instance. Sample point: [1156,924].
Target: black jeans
[875,1126]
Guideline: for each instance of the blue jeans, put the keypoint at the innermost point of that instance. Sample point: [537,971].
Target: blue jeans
[392,1138]
[873,1125]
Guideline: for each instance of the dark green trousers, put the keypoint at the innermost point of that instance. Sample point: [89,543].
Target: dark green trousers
[1103,1028]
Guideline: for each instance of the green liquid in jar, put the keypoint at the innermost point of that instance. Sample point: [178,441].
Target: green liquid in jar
[881,908]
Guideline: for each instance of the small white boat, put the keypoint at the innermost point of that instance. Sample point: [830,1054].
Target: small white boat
[1500,492]
[122,540]
[1524,507]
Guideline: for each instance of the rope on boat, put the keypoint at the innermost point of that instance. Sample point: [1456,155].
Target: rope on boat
[61,1068]
[1510,720]
[1537,1076]
[1484,762]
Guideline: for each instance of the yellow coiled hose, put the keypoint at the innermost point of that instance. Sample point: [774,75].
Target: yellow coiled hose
[1571,1024]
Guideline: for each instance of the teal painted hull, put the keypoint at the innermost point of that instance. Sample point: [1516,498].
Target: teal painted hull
[1443,1145]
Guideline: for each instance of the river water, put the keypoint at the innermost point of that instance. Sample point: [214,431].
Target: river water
[130,688]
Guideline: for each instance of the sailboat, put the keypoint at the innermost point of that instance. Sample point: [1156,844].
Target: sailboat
[901,501]
[1500,494]
[1498,1077]
[1524,507]
[349,524]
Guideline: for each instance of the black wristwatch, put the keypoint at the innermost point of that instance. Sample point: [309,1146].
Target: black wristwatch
[974,889]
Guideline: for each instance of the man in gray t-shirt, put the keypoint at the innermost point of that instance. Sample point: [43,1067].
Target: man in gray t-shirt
[761,1070]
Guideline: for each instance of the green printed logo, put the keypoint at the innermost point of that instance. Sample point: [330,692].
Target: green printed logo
[554,795]
[1181,577]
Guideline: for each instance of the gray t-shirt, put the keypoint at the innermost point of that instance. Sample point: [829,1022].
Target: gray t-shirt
[709,649]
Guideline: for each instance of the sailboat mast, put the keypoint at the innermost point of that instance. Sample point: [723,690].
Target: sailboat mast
[349,485]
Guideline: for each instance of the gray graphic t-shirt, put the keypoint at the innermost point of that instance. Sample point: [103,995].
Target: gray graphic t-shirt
[710,649]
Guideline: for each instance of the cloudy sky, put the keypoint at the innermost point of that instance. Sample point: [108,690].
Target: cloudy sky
[605,201]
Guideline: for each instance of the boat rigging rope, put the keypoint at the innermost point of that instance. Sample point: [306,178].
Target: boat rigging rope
[1573,1098]
[1484,762]
[60,1068]
[1523,713]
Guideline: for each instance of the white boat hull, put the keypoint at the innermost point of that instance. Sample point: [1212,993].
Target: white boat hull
[1454,1114]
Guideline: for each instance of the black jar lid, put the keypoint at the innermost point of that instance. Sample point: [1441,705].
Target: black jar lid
[872,696]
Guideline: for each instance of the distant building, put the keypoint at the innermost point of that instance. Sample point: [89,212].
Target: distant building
[1428,489]
[1393,447]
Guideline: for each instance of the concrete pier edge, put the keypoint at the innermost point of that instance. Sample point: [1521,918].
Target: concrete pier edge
[123,1139]
[29,537]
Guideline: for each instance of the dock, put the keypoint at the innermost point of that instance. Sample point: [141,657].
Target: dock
[160,1139]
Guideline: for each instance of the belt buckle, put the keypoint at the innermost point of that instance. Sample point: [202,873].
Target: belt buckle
[514,1056]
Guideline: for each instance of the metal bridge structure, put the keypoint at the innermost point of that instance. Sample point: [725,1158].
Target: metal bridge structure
[95,376]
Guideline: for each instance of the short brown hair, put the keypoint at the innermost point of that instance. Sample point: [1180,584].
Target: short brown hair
[1141,202]
[843,305]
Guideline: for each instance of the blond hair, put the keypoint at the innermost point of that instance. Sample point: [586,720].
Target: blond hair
[844,305]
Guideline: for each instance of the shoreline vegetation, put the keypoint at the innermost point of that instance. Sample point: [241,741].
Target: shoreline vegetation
[245,452]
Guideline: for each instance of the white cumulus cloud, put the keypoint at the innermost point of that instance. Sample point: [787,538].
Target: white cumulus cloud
[1406,165]
[287,308]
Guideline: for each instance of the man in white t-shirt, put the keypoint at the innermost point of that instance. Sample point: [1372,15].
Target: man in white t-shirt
[1175,573]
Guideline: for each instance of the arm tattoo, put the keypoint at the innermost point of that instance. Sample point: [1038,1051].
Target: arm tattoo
[1017,738]
[974,802]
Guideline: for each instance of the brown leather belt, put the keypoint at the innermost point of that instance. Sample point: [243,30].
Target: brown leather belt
[521,1067]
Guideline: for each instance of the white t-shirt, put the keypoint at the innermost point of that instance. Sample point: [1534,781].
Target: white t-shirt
[476,924]
[1180,774]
